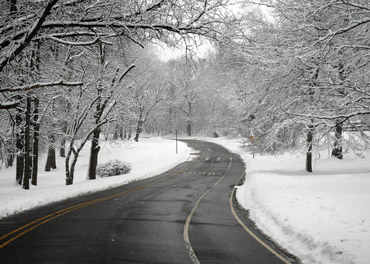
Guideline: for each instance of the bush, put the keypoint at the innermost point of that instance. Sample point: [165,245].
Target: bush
[113,168]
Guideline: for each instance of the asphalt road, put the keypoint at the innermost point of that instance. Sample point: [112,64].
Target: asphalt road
[185,215]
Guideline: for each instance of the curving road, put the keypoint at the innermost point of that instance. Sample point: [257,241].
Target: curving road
[185,215]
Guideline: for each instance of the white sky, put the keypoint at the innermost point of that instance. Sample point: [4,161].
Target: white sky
[166,53]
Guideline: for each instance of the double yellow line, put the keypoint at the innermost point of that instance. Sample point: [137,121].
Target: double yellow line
[16,233]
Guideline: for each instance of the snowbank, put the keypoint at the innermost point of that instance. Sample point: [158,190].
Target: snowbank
[321,217]
[148,157]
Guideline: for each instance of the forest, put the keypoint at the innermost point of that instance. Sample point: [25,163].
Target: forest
[282,74]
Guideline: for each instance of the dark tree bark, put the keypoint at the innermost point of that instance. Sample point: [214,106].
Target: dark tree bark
[338,150]
[27,147]
[10,160]
[62,150]
[115,134]
[188,125]
[94,154]
[188,128]
[51,159]
[10,153]
[309,148]
[100,106]
[309,136]
[139,125]
[120,132]
[35,151]
[35,67]
[19,148]
[70,171]
[13,6]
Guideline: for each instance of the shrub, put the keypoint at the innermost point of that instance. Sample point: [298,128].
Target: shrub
[113,168]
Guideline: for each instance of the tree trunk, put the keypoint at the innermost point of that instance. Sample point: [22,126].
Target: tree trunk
[69,173]
[138,131]
[13,7]
[72,170]
[116,132]
[19,148]
[9,153]
[69,178]
[62,151]
[27,147]
[10,160]
[338,150]
[139,124]
[51,159]
[121,132]
[36,128]
[94,153]
[309,148]
[188,127]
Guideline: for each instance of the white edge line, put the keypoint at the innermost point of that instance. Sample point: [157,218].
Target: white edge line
[250,231]
[188,219]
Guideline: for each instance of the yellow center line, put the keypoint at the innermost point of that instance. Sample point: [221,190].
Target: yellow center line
[36,223]
[250,231]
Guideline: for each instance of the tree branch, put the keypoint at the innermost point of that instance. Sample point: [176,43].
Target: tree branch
[71,43]
[9,105]
[40,85]
[28,36]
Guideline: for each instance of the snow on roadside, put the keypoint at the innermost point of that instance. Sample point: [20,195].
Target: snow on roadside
[321,217]
[148,157]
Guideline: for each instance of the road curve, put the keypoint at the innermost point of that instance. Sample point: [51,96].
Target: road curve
[185,215]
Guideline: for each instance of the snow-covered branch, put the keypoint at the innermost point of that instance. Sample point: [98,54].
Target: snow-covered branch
[27,38]
[340,31]
[342,117]
[125,73]
[40,85]
[123,25]
[71,43]
[9,105]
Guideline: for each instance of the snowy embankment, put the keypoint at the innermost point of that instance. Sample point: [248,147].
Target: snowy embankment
[321,217]
[148,157]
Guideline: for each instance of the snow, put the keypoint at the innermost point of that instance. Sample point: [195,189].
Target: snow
[148,157]
[321,217]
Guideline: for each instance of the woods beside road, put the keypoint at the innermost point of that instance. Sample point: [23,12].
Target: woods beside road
[295,208]
[283,77]
[287,74]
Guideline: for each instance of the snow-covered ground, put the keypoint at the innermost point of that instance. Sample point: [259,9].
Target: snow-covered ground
[148,157]
[321,217]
